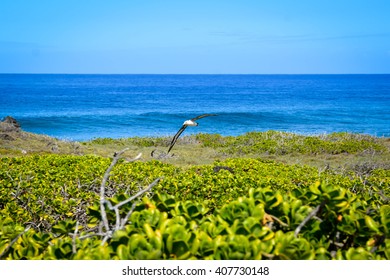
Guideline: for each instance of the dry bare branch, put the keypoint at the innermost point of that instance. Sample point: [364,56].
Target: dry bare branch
[106,230]
[120,223]
[155,182]
[13,241]
[311,215]
[102,188]
[278,220]
[126,218]
[74,249]
[134,159]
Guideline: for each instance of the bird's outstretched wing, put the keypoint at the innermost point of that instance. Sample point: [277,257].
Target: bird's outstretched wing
[203,116]
[174,139]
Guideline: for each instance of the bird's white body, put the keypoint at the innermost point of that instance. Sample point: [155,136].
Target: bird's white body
[190,123]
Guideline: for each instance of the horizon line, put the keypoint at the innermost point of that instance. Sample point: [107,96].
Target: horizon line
[188,74]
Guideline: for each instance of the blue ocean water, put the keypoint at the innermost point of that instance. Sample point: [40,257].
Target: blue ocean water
[82,107]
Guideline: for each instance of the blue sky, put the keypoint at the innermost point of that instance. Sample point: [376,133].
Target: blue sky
[202,36]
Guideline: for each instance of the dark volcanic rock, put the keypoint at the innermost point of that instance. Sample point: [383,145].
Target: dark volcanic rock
[9,124]
[5,136]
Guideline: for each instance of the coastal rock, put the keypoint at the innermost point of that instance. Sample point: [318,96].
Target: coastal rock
[9,124]
[5,136]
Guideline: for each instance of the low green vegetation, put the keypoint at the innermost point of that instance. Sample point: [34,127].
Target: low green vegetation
[281,143]
[268,195]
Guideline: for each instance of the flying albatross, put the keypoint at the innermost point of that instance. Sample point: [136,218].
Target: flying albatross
[190,122]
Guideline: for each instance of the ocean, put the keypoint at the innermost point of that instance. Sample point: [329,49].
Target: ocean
[83,107]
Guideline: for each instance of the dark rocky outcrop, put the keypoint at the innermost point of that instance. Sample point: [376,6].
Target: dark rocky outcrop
[5,136]
[9,124]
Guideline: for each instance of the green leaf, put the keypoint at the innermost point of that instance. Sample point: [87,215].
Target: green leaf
[371,224]
[385,217]
[314,188]
[122,252]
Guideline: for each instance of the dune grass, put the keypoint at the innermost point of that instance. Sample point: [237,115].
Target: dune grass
[338,151]
[234,190]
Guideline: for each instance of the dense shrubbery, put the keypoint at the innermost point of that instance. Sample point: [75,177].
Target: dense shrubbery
[275,142]
[232,209]
[41,190]
[136,141]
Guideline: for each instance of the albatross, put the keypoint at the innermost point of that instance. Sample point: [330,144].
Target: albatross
[190,122]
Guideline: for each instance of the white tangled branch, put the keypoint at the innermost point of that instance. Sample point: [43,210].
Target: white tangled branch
[103,185]
[119,223]
[13,241]
[312,214]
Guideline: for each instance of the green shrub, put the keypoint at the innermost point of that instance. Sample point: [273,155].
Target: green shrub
[251,209]
[279,143]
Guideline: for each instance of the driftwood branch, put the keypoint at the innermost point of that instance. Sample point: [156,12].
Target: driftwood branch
[102,189]
[119,223]
[148,188]
[105,230]
[74,248]
[13,241]
[278,220]
[127,217]
[141,192]
[311,215]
